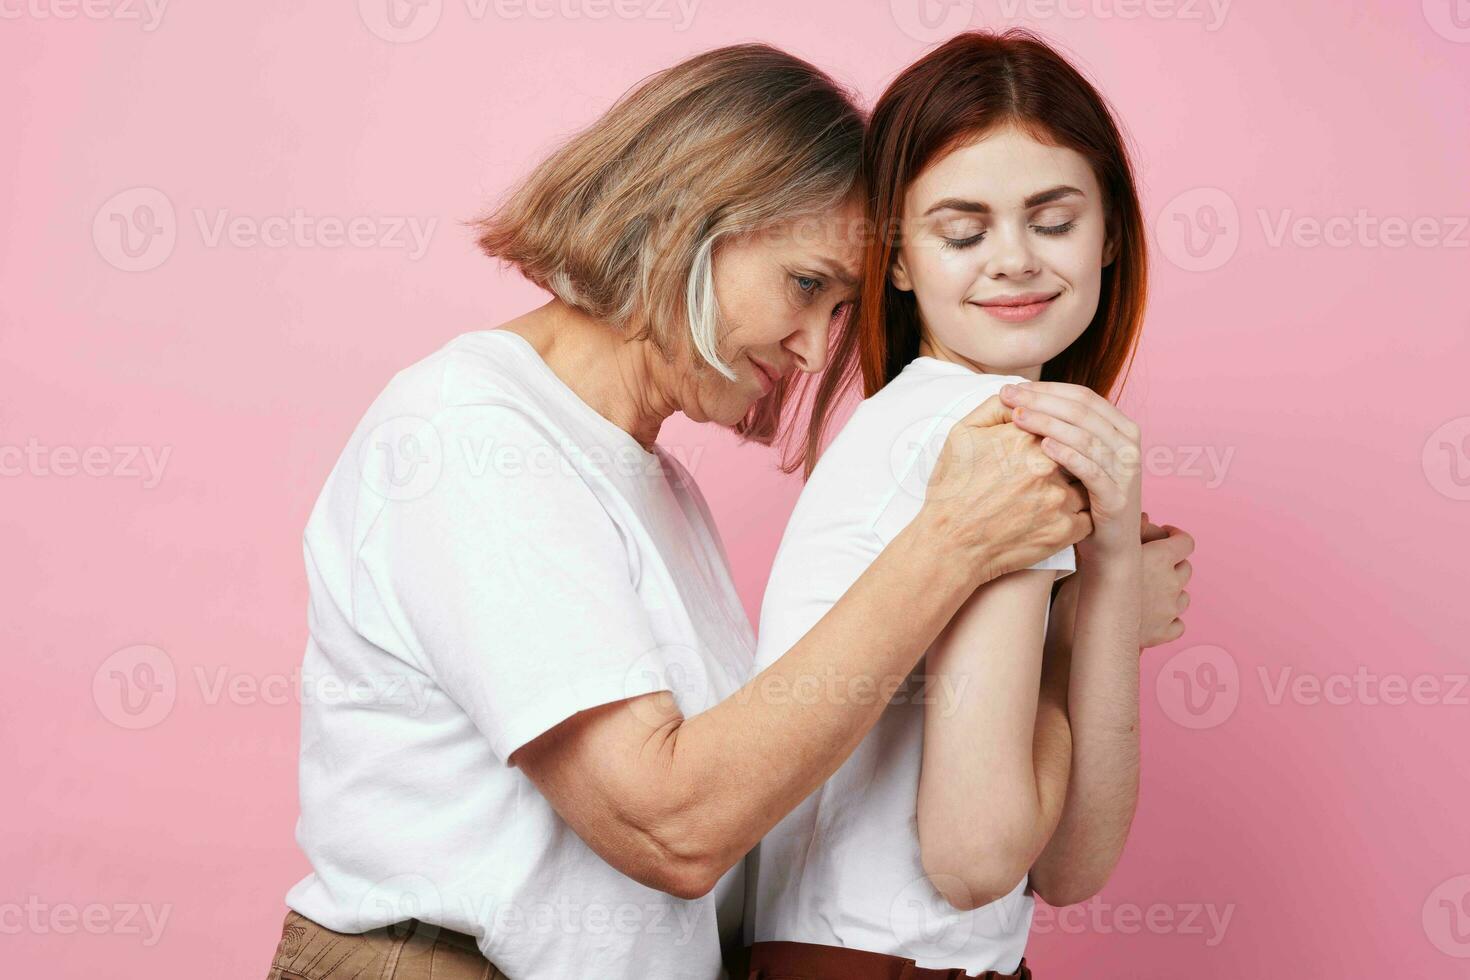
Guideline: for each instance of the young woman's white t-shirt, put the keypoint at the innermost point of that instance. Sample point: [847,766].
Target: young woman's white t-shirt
[844,868]
[489,557]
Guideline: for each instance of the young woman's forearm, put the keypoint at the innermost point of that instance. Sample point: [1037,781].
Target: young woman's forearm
[754,756]
[995,756]
[1102,705]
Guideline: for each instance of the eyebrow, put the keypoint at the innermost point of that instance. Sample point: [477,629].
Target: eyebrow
[979,207]
[838,271]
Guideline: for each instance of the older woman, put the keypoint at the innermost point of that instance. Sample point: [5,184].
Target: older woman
[549,753]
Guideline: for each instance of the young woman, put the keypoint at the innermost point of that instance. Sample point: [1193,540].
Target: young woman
[1009,272]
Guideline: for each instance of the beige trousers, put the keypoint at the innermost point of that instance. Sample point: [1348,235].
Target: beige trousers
[410,950]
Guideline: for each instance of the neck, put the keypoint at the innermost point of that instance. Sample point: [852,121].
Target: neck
[930,346]
[615,376]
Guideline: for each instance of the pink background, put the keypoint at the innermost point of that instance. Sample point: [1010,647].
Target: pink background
[1327,380]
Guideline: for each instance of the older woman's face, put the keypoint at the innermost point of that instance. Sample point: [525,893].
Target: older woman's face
[779,291]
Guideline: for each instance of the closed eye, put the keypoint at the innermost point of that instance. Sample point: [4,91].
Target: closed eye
[974,239]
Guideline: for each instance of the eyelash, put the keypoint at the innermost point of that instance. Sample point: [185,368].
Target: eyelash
[817,287]
[959,243]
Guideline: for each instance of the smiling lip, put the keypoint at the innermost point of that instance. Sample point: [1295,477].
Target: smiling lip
[766,375]
[1018,309]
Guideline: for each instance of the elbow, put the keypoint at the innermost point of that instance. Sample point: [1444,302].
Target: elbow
[689,880]
[1061,890]
[970,877]
[681,855]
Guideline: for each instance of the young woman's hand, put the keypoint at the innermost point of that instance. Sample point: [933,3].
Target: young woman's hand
[1098,444]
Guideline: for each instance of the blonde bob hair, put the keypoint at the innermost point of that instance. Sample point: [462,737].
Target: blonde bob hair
[623,220]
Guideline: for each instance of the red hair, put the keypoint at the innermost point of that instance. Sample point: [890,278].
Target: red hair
[954,95]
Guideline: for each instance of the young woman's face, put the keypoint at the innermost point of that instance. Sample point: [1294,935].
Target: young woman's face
[1004,243]
[779,292]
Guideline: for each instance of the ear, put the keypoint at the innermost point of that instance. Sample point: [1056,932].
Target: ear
[1112,245]
[898,274]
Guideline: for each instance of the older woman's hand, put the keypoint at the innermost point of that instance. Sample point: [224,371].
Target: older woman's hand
[1001,495]
[1166,571]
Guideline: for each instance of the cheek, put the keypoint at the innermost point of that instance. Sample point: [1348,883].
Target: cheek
[940,274]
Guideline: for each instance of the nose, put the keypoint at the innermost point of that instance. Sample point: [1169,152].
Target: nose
[808,345]
[1012,256]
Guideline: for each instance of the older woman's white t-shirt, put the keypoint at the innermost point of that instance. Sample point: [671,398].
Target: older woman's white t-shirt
[489,557]
[844,867]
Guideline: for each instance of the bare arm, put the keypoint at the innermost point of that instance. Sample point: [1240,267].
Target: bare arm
[1100,446]
[996,755]
[1102,704]
[675,802]
[1063,879]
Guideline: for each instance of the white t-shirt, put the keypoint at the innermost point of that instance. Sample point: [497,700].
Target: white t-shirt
[489,557]
[844,868]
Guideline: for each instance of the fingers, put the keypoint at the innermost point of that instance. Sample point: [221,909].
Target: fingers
[1185,571]
[1076,499]
[1150,531]
[1183,603]
[992,411]
[1182,542]
[1099,483]
[1044,414]
[1083,396]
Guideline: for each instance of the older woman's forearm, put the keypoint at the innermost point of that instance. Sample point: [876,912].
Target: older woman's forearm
[1102,702]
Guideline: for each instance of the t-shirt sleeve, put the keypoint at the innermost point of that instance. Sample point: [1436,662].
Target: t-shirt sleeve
[916,451]
[509,580]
